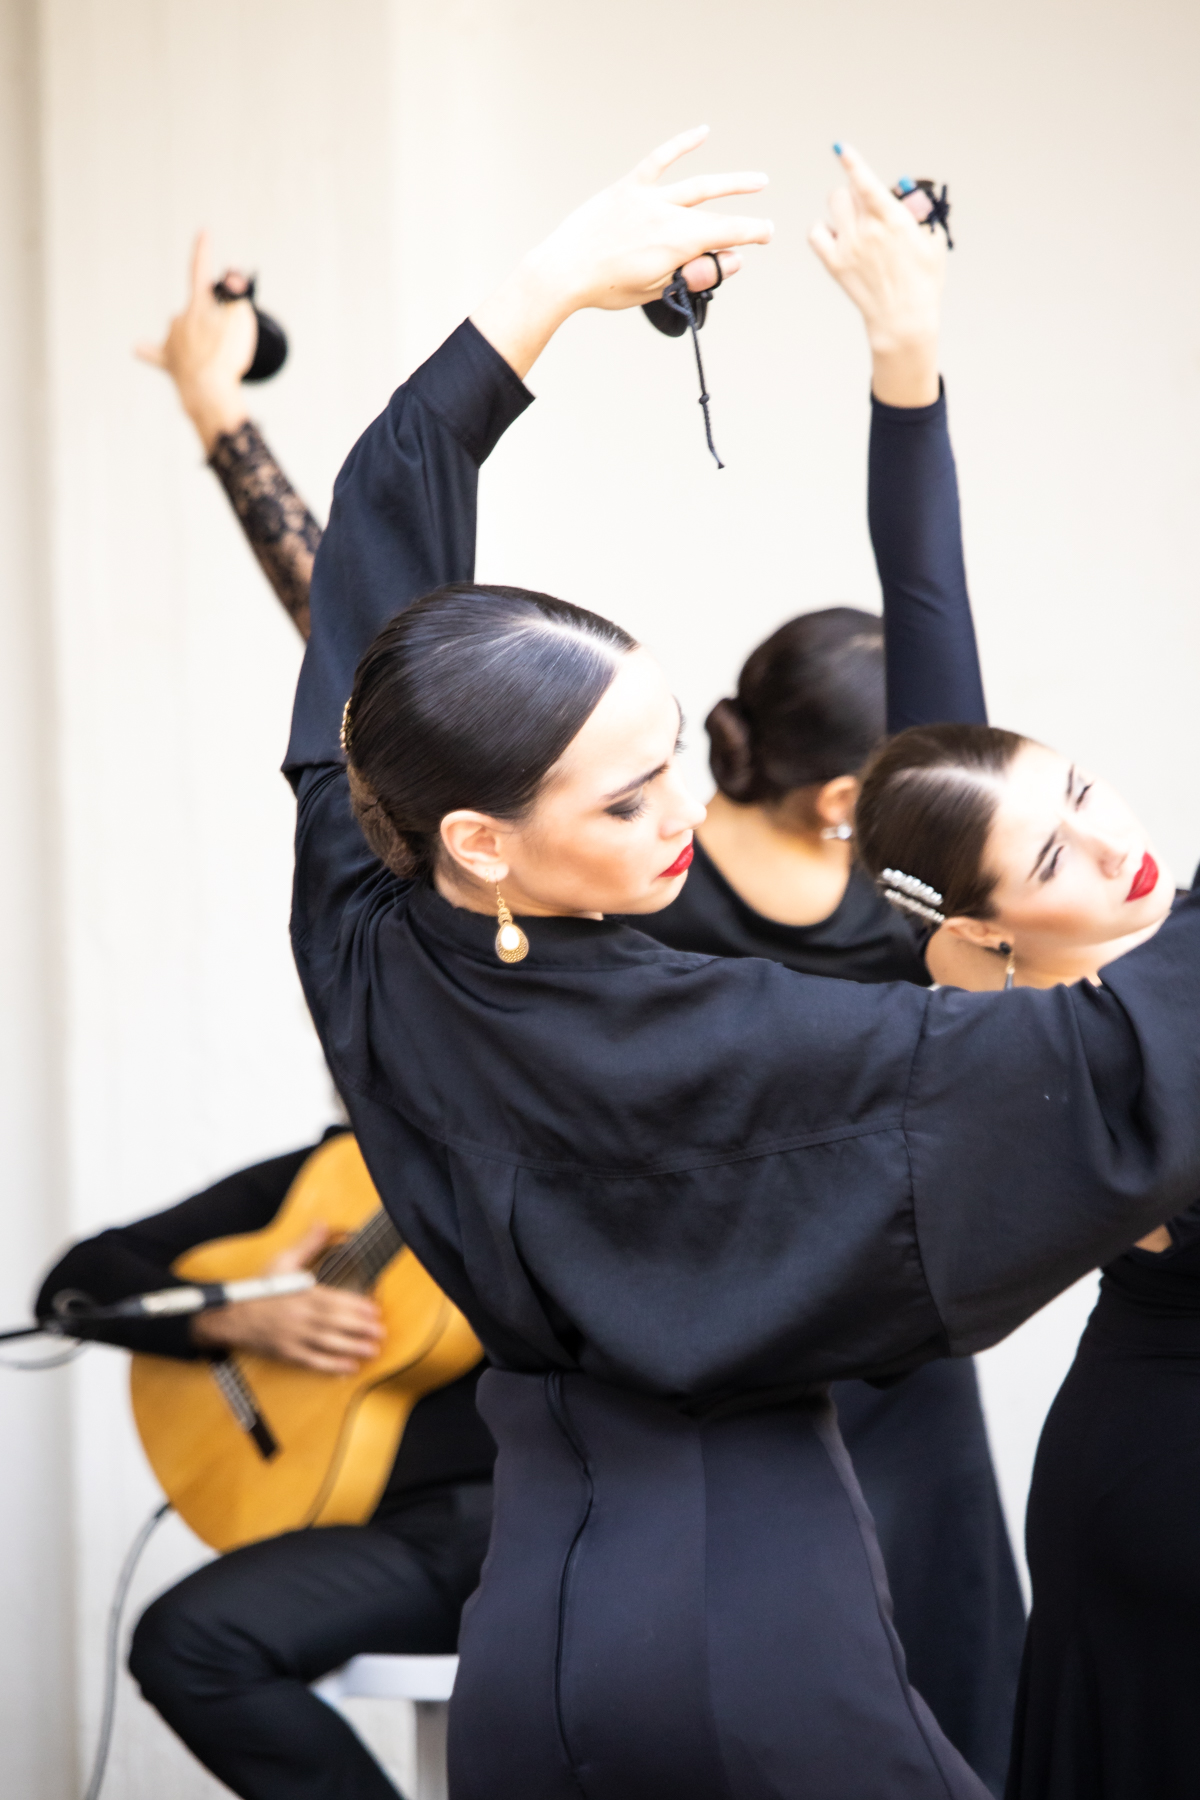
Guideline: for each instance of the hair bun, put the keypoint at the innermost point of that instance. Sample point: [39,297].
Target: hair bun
[403,852]
[729,754]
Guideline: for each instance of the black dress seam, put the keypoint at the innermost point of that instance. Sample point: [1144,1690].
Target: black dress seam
[556,1405]
[912,1184]
[889,1627]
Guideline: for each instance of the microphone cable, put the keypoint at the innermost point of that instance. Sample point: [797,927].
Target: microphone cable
[112,1647]
[79,1310]
[57,1361]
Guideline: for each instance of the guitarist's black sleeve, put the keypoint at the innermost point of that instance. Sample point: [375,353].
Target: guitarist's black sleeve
[137,1258]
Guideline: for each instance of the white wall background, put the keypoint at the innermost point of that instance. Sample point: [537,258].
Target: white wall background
[380,162]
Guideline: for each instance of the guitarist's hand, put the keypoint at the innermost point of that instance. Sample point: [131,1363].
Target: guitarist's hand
[327,1329]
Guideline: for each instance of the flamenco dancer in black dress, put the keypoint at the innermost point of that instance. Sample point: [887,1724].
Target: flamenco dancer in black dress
[1112,1658]
[810,709]
[773,875]
[675,1195]
[1039,874]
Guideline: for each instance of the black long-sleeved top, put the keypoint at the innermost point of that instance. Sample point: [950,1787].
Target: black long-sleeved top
[862,939]
[932,674]
[932,660]
[680,1173]
[444,1441]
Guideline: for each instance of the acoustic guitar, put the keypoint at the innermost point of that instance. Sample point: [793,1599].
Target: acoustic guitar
[246,1447]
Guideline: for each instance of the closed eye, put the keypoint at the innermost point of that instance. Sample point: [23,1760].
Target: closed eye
[1051,868]
[632,808]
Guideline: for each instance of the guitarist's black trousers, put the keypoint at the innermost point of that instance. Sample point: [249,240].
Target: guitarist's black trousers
[226,1656]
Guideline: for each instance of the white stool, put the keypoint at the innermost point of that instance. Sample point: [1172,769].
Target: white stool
[428,1681]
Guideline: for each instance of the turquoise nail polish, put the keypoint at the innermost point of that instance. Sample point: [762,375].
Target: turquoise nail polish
[907,185]
[837,149]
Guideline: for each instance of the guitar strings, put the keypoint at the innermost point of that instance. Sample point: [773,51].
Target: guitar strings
[369,1244]
[363,1256]
[341,1262]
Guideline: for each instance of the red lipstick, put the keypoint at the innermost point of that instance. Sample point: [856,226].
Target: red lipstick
[684,861]
[1146,879]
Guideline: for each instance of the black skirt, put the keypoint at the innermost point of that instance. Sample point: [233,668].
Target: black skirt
[682,1608]
[920,1451]
[1112,1660]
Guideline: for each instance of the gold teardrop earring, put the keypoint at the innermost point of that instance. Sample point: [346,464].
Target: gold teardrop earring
[511,943]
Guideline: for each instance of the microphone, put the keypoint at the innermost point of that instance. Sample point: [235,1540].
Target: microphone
[172,1302]
[72,1309]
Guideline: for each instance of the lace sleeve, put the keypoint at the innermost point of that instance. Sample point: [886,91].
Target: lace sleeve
[282,532]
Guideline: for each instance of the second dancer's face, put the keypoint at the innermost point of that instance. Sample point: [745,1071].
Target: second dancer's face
[1075,865]
[611,831]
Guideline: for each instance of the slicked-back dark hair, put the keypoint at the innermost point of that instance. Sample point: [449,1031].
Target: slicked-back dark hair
[926,808]
[809,707]
[467,699]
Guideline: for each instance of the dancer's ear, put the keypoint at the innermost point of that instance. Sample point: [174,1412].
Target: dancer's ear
[985,934]
[954,961]
[834,805]
[474,842]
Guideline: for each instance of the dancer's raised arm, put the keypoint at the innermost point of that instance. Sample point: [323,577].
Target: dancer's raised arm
[207,349]
[403,515]
[893,269]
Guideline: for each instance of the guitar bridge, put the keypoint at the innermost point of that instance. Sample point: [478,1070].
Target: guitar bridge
[239,1397]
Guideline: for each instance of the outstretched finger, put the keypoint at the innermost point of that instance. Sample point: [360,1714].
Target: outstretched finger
[844,212]
[201,270]
[866,183]
[826,246]
[660,160]
[155,354]
[725,231]
[700,188]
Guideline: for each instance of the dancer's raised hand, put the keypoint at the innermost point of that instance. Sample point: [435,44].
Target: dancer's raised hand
[621,248]
[893,269]
[207,349]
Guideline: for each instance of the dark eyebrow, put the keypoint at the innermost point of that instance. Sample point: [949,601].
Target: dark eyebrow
[1070,781]
[641,780]
[637,782]
[1041,855]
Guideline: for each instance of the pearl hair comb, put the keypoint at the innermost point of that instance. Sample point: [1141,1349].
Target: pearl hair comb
[912,896]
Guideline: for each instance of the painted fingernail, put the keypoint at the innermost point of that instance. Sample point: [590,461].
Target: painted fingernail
[837,149]
[906,184]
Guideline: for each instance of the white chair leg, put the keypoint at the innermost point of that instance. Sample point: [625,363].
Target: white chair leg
[431,1749]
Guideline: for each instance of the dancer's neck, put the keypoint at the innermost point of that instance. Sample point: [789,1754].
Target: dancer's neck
[776,859]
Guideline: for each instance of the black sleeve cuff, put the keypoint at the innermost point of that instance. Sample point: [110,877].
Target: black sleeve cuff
[932,414]
[473,391]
